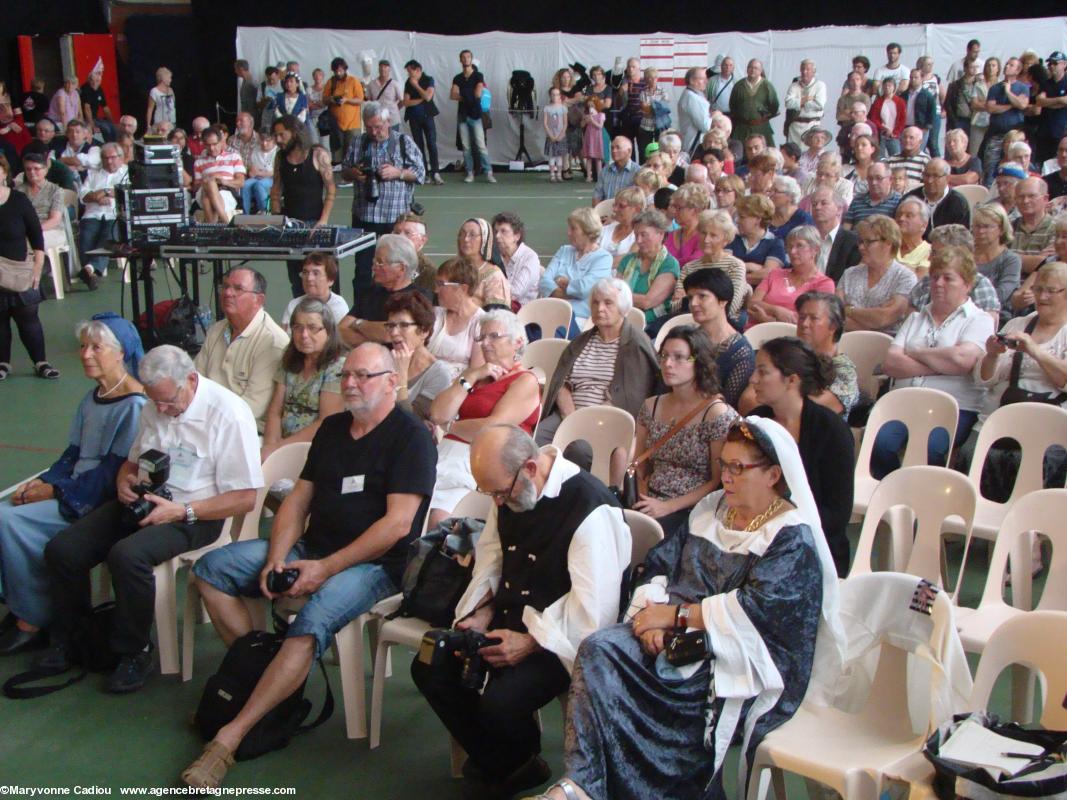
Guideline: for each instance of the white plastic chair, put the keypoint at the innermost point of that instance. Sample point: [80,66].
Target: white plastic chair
[867,349]
[408,631]
[765,331]
[550,313]
[542,357]
[973,194]
[636,317]
[645,533]
[921,410]
[285,462]
[605,428]
[1035,426]
[62,273]
[852,752]
[917,500]
[604,211]
[673,322]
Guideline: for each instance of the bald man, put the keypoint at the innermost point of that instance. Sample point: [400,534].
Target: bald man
[547,569]
[617,175]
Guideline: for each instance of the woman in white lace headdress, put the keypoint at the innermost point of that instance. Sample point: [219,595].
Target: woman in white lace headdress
[754,573]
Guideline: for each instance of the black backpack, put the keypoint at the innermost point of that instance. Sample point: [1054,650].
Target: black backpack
[228,690]
[439,569]
[89,648]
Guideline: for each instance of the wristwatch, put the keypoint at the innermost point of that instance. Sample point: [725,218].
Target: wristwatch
[466,384]
[681,617]
[190,515]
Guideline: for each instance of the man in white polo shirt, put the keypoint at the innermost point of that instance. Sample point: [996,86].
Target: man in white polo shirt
[98,218]
[218,175]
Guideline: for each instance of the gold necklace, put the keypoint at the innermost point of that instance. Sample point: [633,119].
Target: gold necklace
[759,520]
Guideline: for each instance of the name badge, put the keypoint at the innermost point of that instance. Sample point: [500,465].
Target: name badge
[353,483]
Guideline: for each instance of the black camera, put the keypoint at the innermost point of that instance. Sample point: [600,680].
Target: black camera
[440,644]
[370,180]
[337,99]
[156,465]
[281,582]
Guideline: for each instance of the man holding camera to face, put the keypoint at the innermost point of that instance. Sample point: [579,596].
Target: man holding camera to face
[547,573]
[194,463]
[385,166]
[362,494]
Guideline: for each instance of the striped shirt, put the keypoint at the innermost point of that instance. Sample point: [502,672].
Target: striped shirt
[592,372]
[224,166]
[728,263]
[862,207]
[912,164]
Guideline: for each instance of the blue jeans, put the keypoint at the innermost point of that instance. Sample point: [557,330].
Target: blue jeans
[472,135]
[888,147]
[92,234]
[234,570]
[256,193]
[934,138]
[24,532]
[893,438]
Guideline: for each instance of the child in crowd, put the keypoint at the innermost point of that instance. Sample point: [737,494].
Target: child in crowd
[260,178]
[592,138]
[555,122]
[900,181]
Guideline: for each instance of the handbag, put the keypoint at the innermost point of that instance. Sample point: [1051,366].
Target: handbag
[16,276]
[440,566]
[628,493]
[1014,394]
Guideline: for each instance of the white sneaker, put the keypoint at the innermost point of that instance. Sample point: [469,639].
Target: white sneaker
[489,178]
[438,179]
[469,178]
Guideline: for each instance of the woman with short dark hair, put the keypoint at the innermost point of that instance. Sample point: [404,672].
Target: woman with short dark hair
[521,264]
[421,376]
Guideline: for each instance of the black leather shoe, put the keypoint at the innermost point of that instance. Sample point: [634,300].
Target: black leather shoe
[131,673]
[7,623]
[54,659]
[15,640]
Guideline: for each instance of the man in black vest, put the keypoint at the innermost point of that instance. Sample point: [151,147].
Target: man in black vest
[547,573]
[303,185]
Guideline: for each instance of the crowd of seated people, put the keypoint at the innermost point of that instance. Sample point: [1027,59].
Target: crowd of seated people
[419,389]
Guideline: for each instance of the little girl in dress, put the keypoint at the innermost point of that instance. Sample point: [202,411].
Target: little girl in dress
[592,137]
[555,122]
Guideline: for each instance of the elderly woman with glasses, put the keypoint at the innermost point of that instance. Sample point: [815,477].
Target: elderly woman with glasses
[775,298]
[829,172]
[992,234]
[912,217]
[717,231]
[318,275]
[875,291]
[420,376]
[457,318]
[617,237]
[578,265]
[686,206]
[753,572]
[785,196]
[728,188]
[499,391]
[683,467]
[938,347]
[307,387]
[82,479]
[650,270]
[754,244]
[475,243]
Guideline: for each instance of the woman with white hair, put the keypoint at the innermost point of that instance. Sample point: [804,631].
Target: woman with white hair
[500,391]
[785,196]
[775,298]
[612,363]
[161,100]
[828,172]
[83,478]
[912,216]
[578,265]
[993,233]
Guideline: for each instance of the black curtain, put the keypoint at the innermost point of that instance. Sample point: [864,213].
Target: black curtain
[156,41]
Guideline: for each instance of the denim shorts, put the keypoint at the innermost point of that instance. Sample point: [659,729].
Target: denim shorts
[234,570]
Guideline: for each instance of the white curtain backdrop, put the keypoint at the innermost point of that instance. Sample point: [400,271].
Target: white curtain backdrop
[498,53]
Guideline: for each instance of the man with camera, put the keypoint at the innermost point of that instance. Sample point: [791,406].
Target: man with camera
[362,496]
[343,96]
[194,463]
[547,573]
[385,166]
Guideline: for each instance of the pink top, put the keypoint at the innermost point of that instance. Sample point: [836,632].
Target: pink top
[690,250]
[64,106]
[779,292]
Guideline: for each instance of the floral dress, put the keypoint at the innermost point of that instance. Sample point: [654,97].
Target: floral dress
[301,405]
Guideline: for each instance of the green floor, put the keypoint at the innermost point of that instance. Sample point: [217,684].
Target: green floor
[83,737]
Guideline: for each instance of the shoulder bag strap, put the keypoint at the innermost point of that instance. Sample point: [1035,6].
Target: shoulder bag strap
[1017,357]
[15,688]
[382,90]
[669,435]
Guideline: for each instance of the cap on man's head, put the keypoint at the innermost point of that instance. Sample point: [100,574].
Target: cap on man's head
[1012,171]
[650,148]
[1056,55]
[384,62]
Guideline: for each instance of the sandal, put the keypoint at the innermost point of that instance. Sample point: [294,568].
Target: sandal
[46,371]
[5,370]
[563,784]
[210,768]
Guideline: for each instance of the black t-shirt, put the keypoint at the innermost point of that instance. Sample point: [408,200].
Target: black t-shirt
[353,478]
[1057,186]
[470,107]
[972,165]
[423,110]
[94,98]
[34,105]
[19,222]
[370,303]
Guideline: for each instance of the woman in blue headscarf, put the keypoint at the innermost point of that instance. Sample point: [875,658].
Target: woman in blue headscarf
[83,478]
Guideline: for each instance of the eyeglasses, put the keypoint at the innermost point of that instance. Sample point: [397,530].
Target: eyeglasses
[173,401]
[361,375]
[736,468]
[504,495]
[666,358]
[869,242]
[224,287]
[380,263]
[298,328]
[312,273]
[491,337]
[392,326]
[443,284]
[1037,289]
